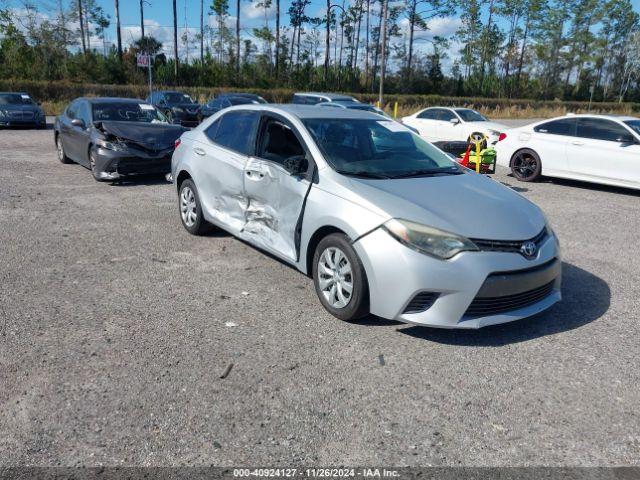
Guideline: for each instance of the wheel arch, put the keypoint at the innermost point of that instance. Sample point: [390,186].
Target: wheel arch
[182,176]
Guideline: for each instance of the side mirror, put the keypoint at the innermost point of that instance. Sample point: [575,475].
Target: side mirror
[454,121]
[78,122]
[296,165]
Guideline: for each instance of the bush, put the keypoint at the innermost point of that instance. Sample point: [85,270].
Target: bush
[54,95]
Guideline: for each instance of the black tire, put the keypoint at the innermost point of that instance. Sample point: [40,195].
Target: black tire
[199,226]
[93,167]
[62,156]
[483,145]
[358,301]
[526,165]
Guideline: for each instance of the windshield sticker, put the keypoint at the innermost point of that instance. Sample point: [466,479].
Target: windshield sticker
[146,106]
[393,126]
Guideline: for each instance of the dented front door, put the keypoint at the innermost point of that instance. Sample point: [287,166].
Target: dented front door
[275,200]
[275,197]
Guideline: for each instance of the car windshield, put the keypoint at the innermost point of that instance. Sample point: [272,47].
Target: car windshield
[126,112]
[241,100]
[469,115]
[377,149]
[634,124]
[15,99]
[177,97]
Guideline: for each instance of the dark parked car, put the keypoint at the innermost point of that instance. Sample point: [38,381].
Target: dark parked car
[115,137]
[178,107]
[228,100]
[17,109]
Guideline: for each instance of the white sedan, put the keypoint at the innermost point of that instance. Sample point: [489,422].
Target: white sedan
[453,124]
[593,148]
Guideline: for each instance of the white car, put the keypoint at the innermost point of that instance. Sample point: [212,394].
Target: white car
[453,124]
[593,148]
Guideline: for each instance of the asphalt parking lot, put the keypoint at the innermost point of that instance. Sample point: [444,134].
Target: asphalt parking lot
[116,326]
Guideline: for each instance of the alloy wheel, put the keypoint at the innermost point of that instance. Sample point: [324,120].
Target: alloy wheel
[524,165]
[188,208]
[335,277]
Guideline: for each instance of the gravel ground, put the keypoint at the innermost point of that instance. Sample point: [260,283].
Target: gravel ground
[116,326]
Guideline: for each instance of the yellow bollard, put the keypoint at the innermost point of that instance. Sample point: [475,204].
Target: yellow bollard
[395,110]
[478,156]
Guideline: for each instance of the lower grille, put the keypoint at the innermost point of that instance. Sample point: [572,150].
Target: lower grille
[484,306]
[421,302]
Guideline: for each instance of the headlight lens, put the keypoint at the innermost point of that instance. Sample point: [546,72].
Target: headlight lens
[428,240]
[115,145]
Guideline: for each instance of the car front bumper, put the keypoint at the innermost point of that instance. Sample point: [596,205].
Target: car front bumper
[33,122]
[112,164]
[471,290]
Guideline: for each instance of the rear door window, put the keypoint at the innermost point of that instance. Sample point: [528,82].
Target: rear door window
[601,129]
[430,114]
[564,126]
[235,131]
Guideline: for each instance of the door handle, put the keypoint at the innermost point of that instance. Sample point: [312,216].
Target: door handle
[577,143]
[199,151]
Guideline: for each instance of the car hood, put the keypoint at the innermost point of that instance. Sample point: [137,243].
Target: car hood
[470,204]
[488,126]
[154,136]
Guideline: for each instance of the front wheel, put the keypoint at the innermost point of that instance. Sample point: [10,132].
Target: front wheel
[62,156]
[340,279]
[190,209]
[94,168]
[526,165]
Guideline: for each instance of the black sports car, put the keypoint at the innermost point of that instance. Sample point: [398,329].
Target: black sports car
[178,107]
[17,109]
[115,137]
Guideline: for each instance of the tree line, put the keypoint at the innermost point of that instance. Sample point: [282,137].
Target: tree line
[545,49]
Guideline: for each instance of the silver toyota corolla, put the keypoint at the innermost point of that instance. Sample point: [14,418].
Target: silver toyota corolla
[383,221]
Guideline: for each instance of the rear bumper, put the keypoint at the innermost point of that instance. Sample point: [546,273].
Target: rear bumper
[502,286]
[112,165]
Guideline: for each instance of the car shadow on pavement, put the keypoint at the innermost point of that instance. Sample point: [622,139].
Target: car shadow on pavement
[585,298]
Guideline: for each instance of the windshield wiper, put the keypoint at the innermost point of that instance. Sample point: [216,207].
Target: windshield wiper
[363,174]
[427,173]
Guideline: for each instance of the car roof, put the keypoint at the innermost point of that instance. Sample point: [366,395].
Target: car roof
[111,100]
[619,118]
[310,111]
[14,93]
[332,96]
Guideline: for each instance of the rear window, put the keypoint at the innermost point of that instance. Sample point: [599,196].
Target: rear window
[565,126]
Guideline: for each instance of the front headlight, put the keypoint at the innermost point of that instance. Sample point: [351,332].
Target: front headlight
[116,146]
[4,113]
[428,240]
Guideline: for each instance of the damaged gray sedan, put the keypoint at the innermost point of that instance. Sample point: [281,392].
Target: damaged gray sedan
[384,222]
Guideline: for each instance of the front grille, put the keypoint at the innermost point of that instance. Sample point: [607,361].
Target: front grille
[512,246]
[421,302]
[485,306]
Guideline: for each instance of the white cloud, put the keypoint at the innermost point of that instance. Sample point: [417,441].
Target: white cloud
[250,11]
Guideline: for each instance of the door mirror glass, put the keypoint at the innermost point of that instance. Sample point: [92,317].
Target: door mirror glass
[297,165]
[78,122]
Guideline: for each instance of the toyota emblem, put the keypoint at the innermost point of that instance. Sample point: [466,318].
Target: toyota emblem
[528,249]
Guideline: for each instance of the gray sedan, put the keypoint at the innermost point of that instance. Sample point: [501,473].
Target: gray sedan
[384,222]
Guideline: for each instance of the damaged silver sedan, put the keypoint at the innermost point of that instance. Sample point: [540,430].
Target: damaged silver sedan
[384,222]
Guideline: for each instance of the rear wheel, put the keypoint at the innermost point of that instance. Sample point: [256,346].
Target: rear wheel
[340,279]
[526,165]
[190,210]
[62,156]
